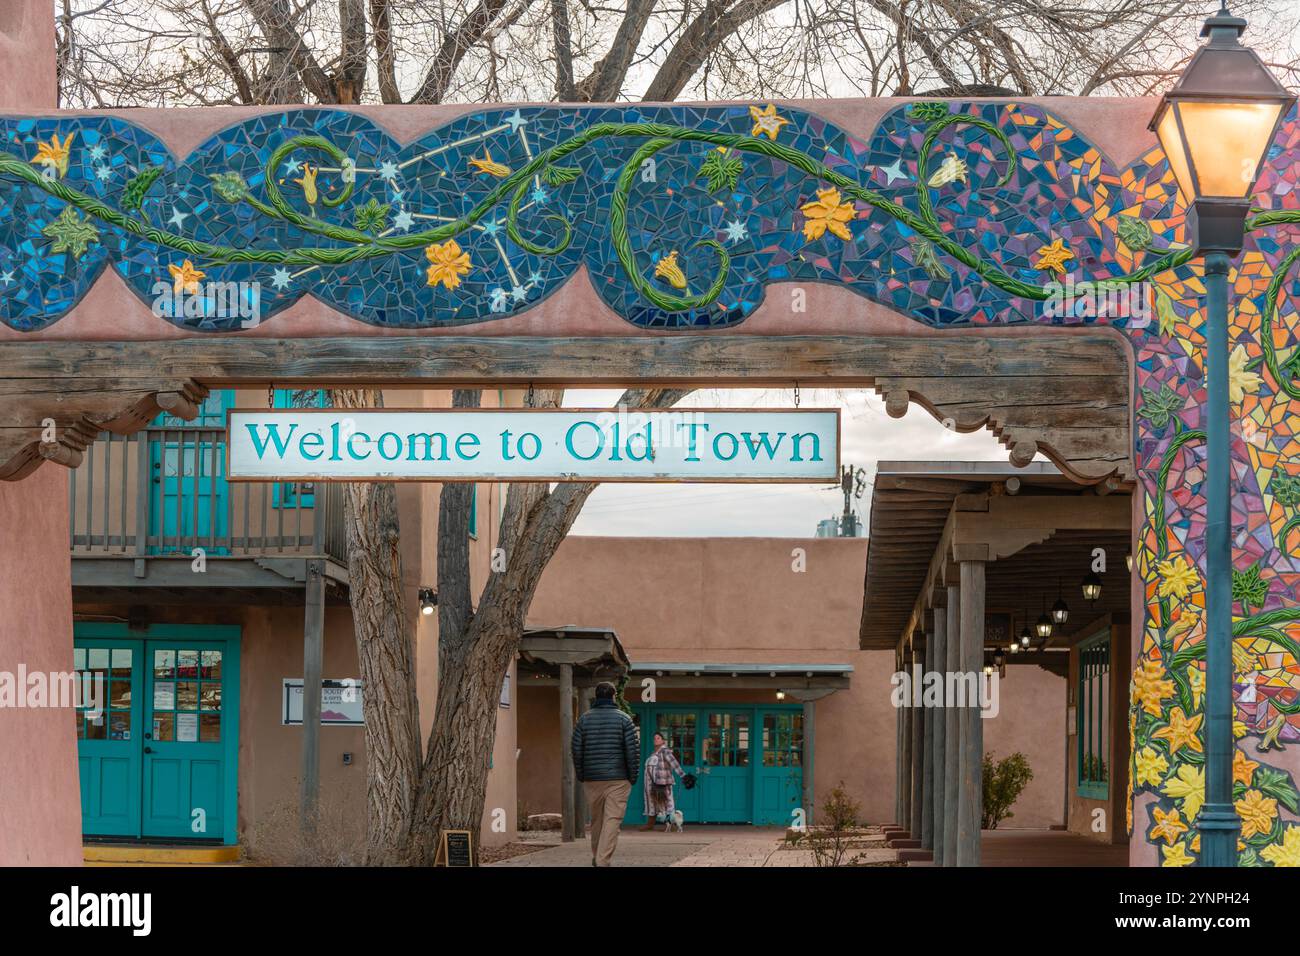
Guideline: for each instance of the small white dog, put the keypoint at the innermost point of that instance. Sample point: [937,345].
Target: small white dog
[674,822]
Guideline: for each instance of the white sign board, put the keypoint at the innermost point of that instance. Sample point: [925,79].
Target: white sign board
[524,444]
[340,703]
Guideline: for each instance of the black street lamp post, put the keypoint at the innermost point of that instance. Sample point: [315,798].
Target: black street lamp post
[1215,127]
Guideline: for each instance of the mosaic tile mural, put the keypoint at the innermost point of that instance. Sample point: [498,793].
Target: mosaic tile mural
[954,214]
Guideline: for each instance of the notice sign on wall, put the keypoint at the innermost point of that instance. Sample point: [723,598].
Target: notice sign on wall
[340,703]
[514,444]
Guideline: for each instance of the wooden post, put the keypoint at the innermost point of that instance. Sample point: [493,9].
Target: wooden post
[972,733]
[313,640]
[567,774]
[927,756]
[952,731]
[581,810]
[905,820]
[808,797]
[899,816]
[143,498]
[940,722]
[917,814]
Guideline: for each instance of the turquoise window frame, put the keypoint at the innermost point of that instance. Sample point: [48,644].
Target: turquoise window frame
[473,511]
[1092,702]
[284,494]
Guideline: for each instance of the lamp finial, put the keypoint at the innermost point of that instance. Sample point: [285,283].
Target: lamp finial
[1223,27]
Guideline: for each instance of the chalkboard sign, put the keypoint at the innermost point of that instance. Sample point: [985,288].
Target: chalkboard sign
[456,849]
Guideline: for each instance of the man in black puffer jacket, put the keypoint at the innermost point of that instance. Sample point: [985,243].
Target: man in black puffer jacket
[607,759]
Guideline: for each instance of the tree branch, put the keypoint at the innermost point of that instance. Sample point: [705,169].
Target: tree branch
[469,33]
[381,28]
[698,41]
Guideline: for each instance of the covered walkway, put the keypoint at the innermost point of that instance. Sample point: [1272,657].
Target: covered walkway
[962,557]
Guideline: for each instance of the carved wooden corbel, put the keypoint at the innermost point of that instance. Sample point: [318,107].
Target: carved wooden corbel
[26,426]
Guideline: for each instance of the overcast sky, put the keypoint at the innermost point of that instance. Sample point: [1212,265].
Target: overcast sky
[689,510]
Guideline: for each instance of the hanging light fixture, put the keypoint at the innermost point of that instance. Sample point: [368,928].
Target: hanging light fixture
[1091,586]
[1000,662]
[1025,636]
[1060,610]
[988,666]
[1043,627]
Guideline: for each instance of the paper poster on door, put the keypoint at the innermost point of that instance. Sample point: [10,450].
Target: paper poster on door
[164,695]
[187,728]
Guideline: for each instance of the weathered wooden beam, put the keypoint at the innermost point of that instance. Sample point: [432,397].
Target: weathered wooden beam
[1059,392]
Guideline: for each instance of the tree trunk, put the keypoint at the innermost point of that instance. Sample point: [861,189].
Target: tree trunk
[476,647]
[384,657]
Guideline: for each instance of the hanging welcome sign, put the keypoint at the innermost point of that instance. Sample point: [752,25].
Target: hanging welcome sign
[513,444]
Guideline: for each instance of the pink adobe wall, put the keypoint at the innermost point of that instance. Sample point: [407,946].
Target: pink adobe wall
[40,803]
[737,599]
[27,73]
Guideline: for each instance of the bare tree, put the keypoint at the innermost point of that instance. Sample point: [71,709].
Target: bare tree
[159,52]
[172,52]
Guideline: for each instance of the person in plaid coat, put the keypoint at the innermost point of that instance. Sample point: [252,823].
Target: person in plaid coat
[659,769]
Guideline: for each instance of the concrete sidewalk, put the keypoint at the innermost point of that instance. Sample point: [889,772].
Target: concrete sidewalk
[697,846]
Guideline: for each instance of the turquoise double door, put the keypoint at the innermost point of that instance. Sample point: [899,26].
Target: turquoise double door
[158,731]
[747,761]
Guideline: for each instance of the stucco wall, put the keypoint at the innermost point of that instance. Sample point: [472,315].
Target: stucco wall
[40,813]
[40,822]
[738,599]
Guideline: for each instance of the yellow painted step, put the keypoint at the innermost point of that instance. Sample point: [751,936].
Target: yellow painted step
[128,854]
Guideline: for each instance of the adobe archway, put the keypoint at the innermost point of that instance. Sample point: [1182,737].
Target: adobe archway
[868,227]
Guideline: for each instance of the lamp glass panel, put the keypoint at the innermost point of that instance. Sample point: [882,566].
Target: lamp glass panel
[1227,141]
[1172,143]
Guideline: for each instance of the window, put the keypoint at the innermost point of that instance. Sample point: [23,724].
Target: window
[1092,716]
[783,739]
[286,493]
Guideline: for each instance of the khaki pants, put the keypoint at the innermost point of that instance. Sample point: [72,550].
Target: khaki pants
[608,801]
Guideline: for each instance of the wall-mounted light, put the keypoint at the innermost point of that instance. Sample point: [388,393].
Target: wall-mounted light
[428,600]
[780,695]
[1091,587]
[1128,562]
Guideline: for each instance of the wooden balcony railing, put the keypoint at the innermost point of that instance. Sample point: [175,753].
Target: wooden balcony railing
[162,491]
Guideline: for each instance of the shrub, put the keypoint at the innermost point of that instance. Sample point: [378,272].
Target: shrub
[829,840]
[339,839]
[1003,783]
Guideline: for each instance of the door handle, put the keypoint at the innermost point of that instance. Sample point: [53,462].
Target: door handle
[148,750]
